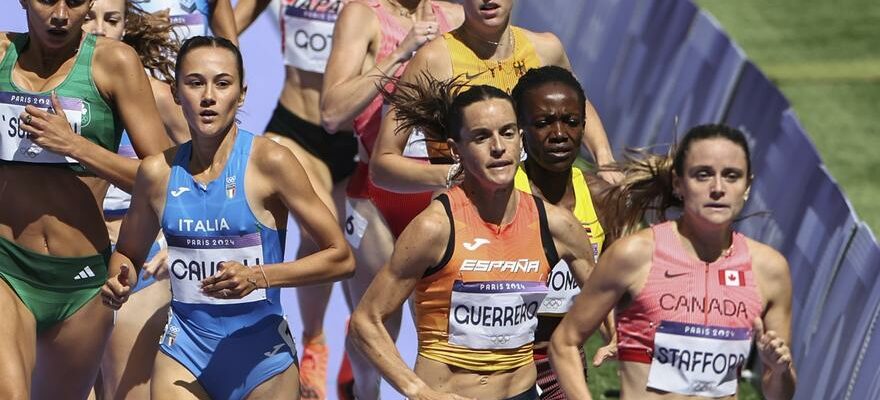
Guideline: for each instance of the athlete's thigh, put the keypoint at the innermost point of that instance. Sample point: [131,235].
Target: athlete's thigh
[373,249]
[69,353]
[282,386]
[172,381]
[17,344]
[131,350]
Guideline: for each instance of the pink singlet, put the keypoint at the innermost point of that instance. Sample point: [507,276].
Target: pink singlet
[692,321]
[398,209]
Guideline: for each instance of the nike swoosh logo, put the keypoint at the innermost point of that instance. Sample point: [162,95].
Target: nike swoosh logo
[470,77]
[668,275]
[476,244]
[181,190]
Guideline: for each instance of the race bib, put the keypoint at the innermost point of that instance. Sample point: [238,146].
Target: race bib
[192,259]
[494,315]
[562,289]
[15,143]
[189,25]
[355,225]
[308,32]
[698,360]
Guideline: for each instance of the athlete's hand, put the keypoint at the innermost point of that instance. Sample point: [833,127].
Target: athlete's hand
[232,281]
[773,350]
[605,352]
[49,129]
[158,265]
[116,290]
[424,30]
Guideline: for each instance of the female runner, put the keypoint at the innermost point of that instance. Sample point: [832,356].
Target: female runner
[476,260]
[690,293]
[219,200]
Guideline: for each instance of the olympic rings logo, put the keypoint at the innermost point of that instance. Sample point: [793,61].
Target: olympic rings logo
[499,339]
[553,302]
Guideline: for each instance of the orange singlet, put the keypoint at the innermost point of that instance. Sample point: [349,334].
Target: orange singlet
[477,309]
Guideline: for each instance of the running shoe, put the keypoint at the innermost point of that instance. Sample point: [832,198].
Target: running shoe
[313,369]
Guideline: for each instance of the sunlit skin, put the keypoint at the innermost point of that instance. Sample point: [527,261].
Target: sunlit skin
[490,144]
[209,92]
[59,21]
[106,18]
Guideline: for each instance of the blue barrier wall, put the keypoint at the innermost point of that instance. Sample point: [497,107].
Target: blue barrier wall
[644,63]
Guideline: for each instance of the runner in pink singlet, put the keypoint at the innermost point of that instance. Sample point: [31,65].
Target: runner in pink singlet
[692,293]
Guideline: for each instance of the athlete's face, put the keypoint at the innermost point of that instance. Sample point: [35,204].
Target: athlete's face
[553,119]
[209,90]
[490,143]
[56,23]
[106,18]
[488,12]
[715,181]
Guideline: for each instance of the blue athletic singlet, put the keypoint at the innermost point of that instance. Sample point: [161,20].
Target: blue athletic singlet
[191,16]
[230,345]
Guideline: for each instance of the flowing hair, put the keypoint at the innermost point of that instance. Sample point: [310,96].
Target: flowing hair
[153,38]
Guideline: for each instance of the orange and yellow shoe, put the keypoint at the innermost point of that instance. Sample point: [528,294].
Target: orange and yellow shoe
[345,380]
[313,369]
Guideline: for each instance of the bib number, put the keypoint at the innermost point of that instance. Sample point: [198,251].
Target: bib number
[698,360]
[192,259]
[494,314]
[15,143]
[308,33]
[562,289]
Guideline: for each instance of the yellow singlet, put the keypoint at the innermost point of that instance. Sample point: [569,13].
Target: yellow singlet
[502,74]
[584,210]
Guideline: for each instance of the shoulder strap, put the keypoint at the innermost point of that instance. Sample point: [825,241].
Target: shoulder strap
[450,244]
[546,236]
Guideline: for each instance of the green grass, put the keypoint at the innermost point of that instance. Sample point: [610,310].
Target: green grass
[605,384]
[825,57]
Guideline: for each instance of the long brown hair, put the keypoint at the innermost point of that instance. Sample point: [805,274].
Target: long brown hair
[153,38]
[647,184]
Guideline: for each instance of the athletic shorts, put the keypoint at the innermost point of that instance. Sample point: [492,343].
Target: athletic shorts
[531,394]
[230,354]
[547,379]
[338,151]
[398,209]
[52,288]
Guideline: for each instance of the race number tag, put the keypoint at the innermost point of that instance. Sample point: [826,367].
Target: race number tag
[192,259]
[698,360]
[355,225]
[494,314]
[562,289]
[308,32]
[15,143]
[189,25]
[416,145]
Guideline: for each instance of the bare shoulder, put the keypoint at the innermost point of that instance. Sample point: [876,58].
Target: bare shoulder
[559,220]
[454,13]
[549,47]
[157,167]
[430,226]
[432,58]
[111,54]
[5,41]
[269,156]
[768,263]
[631,253]
[358,16]
[161,91]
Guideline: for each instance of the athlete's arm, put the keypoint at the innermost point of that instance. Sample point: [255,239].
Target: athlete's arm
[247,11]
[616,273]
[347,88]
[389,169]
[222,20]
[139,229]
[175,123]
[572,243]
[334,260]
[773,330]
[391,287]
[120,79]
[551,52]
